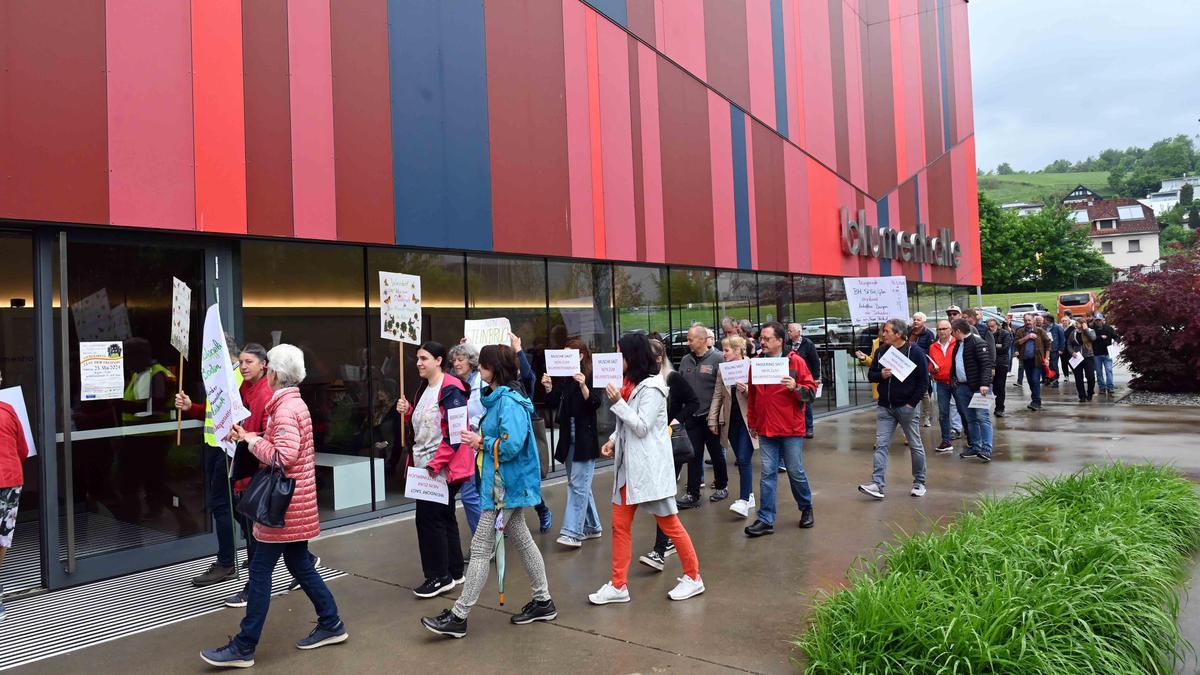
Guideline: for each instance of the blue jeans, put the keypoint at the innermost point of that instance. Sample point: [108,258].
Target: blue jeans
[217,499]
[743,451]
[978,419]
[1104,372]
[470,501]
[1032,368]
[792,450]
[944,395]
[581,515]
[300,563]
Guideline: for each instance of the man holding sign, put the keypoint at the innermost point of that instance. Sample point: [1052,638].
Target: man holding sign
[902,386]
[971,374]
[776,418]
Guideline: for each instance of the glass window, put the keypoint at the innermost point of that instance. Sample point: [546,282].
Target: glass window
[1135,246]
[737,295]
[581,304]
[1133,212]
[808,299]
[847,379]
[442,312]
[693,299]
[1106,247]
[774,298]
[313,296]
[641,300]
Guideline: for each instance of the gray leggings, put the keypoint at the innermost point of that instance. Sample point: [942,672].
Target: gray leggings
[483,543]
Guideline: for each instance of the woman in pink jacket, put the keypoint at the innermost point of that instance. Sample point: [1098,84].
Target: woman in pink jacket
[288,435]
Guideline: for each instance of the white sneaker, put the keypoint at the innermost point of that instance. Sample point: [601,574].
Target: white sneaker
[741,507]
[918,490]
[592,535]
[608,593]
[687,588]
[567,540]
[871,489]
[750,502]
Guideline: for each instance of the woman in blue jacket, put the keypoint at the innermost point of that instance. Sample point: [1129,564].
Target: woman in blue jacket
[510,480]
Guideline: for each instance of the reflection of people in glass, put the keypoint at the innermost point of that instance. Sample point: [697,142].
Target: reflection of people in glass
[143,459]
[464,362]
[13,451]
[577,447]
[528,377]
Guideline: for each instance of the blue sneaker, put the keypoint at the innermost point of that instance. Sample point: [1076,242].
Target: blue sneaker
[228,656]
[545,517]
[319,637]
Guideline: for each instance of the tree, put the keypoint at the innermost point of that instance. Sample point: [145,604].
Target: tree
[1185,194]
[1058,166]
[1004,169]
[1193,219]
[1173,239]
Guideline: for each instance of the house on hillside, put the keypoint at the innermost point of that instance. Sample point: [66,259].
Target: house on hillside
[1023,208]
[1080,195]
[1124,230]
[1167,195]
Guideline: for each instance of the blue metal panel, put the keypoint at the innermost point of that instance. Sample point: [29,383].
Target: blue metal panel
[440,154]
[616,10]
[777,48]
[741,188]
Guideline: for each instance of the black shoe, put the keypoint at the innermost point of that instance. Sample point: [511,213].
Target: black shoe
[806,518]
[708,462]
[1054,385]
[984,459]
[215,574]
[808,434]
[1001,413]
[446,624]
[433,587]
[688,502]
[536,610]
[969,452]
[758,528]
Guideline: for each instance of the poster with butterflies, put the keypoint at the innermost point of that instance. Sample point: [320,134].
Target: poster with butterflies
[400,307]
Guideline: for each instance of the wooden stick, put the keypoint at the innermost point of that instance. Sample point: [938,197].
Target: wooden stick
[403,441]
[179,413]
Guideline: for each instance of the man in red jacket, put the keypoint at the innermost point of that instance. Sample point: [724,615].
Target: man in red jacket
[776,418]
[13,451]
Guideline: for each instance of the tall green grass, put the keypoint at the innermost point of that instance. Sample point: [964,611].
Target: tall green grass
[1075,574]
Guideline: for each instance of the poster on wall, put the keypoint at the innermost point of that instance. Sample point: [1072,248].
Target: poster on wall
[400,307]
[221,390]
[877,299]
[101,371]
[181,315]
[93,317]
[16,399]
[480,332]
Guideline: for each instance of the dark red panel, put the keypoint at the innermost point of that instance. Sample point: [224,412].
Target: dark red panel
[725,46]
[528,127]
[880,112]
[362,122]
[947,23]
[641,19]
[687,188]
[841,115]
[770,199]
[931,81]
[635,119]
[941,208]
[54,138]
[268,118]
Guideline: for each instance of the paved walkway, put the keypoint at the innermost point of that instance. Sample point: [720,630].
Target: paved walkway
[758,590]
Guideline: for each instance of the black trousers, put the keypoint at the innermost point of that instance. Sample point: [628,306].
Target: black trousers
[437,536]
[998,381]
[702,438]
[1064,364]
[1086,368]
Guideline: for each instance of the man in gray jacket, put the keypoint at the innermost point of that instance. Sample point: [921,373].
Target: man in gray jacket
[699,369]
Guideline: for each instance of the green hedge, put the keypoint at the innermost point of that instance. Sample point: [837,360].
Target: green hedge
[1075,574]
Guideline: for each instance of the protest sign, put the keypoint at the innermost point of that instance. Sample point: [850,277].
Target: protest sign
[900,364]
[420,485]
[480,332]
[181,316]
[877,299]
[768,369]
[733,372]
[93,317]
[456,423]
[216,368]
[562,362]
[16,399]
[400,307]
[606,370]
[101,371]
[1076,360]
[980,402]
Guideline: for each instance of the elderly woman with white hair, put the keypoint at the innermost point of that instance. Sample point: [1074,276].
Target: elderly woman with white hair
[287,439]
[464,363]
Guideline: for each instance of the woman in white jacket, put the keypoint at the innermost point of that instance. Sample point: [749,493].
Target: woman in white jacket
[645,471]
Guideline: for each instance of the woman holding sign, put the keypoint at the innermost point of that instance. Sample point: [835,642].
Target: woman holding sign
[578,446]
[727,418]
[510,479]
[437,452]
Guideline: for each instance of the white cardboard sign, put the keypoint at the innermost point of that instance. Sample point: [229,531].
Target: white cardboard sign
[877,299]
[220,388]
[607,369]
[400,307]
[93,317]
[480,332]
[456,423]
[768,369]
[181,315]
[562,362]
[900,364]
[980,402]
[420,486]
[16,399]
[101,371]
[1076,360]
[733,372]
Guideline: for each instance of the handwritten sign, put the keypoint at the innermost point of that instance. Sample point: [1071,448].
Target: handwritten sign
[14,397]
[93,317]
[607,369]
[562,362]
[101,371]
[400,307]
[733,372]
[480,332]
[980,402]
[220,388]
[768,369]
[900,364]
[181,315]
[1076,360]
[877,299]
[420,486]
[456,423]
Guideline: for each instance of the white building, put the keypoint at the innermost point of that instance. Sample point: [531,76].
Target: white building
[1175,184]
[1023,208]
[1124,230]
[1167,196]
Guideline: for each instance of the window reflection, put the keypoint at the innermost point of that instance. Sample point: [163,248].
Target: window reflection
[774,298]
[580,304]
[641,300]
[808,298]
[737,294]
[693,299]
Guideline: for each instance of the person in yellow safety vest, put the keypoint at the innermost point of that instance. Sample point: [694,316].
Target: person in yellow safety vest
[143,456]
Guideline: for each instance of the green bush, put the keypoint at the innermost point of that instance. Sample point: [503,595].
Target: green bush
[1075,574]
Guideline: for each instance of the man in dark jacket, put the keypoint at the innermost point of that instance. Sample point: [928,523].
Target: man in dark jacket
[899,401]
[1058,341]
[920,335]
[971,374]
[1004,341]
[1031,344]
[805,349]
[1105,337]
[699,369]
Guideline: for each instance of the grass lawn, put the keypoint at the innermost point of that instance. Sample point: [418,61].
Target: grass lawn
[1022,187]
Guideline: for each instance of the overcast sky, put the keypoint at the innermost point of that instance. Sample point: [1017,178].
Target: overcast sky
[1068,78]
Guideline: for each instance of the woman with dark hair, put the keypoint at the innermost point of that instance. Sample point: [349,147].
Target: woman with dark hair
[578,447]
[437,525]
[510,480]
[641,445]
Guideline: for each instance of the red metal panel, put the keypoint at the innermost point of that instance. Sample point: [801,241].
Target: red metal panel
[635,129]
[824,219]
[642,18]
[856,133]
[793,73]
[683,36]
[724,212]
[268,118]
[912,88]
[751,202]
[941,207]
[931,89]
[54,137]
[769,197]
[962,72]
[817,102]
[527,127]
[314,191]
[151,180]
[651,154]
[951,59]
[595,137]
[799,228]
[686,166]
[966,212]
[881,122]
[619,229]
[838,68]
[219,116]
[362,126]
[726,49]
[761,62]
[899,95]
[579,143]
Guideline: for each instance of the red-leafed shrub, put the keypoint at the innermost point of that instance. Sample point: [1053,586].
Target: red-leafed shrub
[1157,315]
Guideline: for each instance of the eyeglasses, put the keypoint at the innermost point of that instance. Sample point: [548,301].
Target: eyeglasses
[943,329]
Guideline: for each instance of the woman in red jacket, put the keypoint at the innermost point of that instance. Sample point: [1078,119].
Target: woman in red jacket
[289,438]
[13,451]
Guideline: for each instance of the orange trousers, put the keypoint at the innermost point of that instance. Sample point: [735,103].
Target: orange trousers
[622,551]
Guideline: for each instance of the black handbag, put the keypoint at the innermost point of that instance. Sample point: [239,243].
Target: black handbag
[266,499]
[681,444]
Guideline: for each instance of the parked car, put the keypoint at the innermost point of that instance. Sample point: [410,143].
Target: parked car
[815,329]
[1022,307]
[1081,303]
